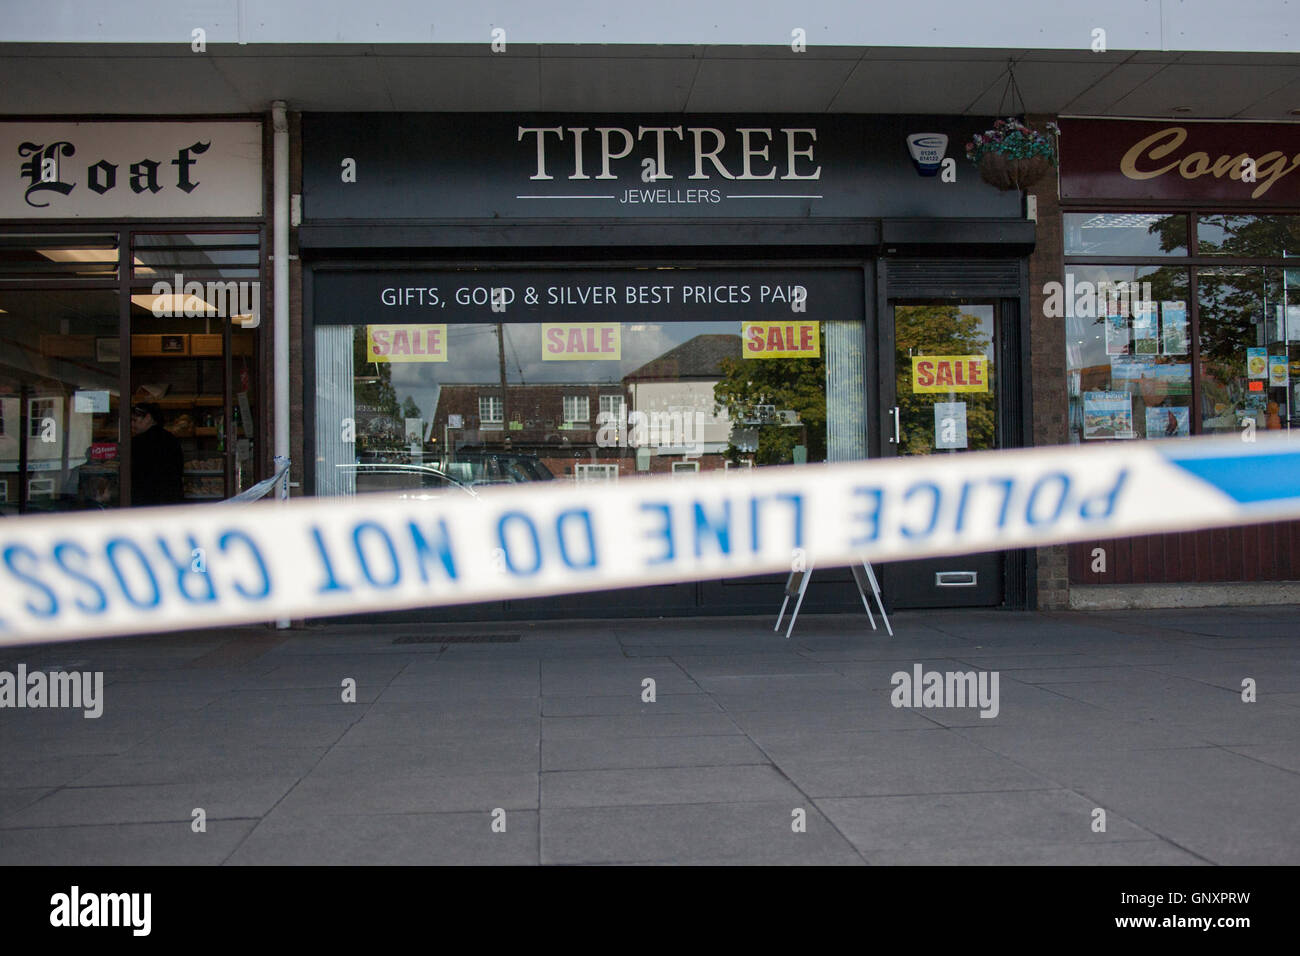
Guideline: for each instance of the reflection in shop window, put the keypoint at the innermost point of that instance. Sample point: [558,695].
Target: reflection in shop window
[40,417]
[612,406]
[576,408]
[1250,347]
[490,409]
[677,399]
[1248,237]
[1125,234]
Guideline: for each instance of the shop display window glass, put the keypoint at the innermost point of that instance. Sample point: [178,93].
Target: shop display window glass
[1248,237]
[1250,348]
[1128,352]
[672,398]
[60,401]
[1125,234]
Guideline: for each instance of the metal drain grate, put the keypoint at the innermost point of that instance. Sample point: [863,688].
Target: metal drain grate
[458,639]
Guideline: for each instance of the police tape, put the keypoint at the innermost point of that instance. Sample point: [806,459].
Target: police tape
[125,572]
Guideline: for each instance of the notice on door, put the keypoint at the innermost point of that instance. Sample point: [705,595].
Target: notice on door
[950,373]
[950,425]
[568,341]
[406,343]
[772,340]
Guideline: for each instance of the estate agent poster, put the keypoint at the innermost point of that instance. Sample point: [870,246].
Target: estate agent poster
[1107,415]
[1173,320]
[1170,421]
[1146,330]
[1117,336]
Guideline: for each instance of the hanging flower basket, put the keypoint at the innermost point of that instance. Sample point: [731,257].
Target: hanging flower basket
[998,170]
[1011,155]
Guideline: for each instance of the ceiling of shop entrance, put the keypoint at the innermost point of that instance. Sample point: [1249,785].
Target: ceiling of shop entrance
[161,79]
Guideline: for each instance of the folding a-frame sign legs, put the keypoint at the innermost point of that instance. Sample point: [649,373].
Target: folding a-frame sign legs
[863,576]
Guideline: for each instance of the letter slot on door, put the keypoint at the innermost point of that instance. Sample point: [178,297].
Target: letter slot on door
[956,579]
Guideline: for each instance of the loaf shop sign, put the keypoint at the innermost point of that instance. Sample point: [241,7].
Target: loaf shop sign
[98,170]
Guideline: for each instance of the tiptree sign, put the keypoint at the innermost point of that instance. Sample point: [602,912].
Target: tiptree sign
[493,166]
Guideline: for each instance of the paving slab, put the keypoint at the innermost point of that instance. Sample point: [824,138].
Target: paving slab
[709,834]
[125,844]
[391,839]
[1138,713]
[666,785]
[586,753]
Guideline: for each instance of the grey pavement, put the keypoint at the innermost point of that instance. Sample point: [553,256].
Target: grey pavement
[530,742]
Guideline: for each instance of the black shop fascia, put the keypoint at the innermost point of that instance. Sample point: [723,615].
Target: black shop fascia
[505,248]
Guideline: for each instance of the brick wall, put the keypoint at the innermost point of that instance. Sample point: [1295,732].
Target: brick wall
[1049,407]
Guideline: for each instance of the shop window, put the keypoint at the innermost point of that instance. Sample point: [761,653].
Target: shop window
[66,455]
[577,408]
[58,256]
[178,367]
[1128,352]
[1250,348]
[685,386]
[196,255]
[1125,234]
[1248,237]
[1144,361]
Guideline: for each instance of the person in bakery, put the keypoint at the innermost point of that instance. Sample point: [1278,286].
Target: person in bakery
[156,459]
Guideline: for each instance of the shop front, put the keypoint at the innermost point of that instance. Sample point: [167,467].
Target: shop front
[505,298]
[131,258]
[1182,317]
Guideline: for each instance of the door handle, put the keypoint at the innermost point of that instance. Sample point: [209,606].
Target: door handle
[895,439]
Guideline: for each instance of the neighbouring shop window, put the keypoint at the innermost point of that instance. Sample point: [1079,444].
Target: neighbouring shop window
[1248,237]
[211,302]
[58,256]
[1145,361]
[1125,234]
[190,359]
[668,398]
[60,401]
[1128,352]
[1250,348]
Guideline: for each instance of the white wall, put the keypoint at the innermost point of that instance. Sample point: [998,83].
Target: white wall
[1226,25]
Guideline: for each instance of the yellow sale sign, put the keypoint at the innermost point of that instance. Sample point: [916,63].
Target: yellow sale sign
[406,343]
[566,341]
[768,340]
[950,373]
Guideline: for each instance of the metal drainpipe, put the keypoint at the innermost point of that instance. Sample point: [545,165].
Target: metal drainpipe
[280,279]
